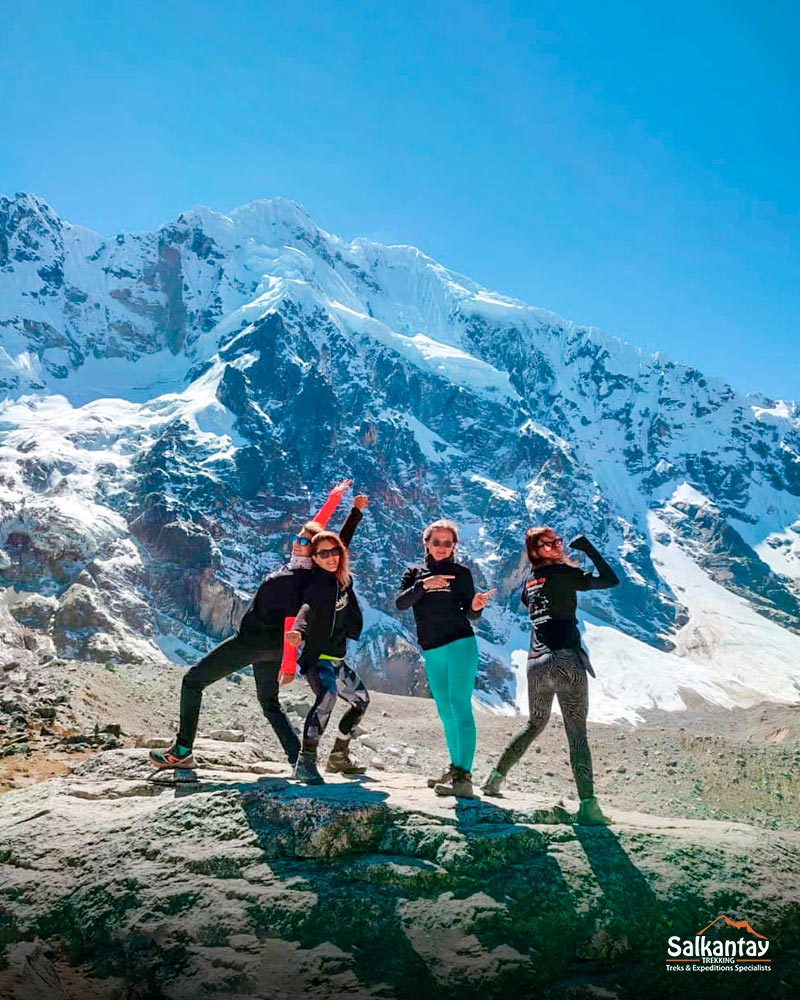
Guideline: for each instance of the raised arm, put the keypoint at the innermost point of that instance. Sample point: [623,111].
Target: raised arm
[606,577]
[353,519]
[409,591]
[325,512]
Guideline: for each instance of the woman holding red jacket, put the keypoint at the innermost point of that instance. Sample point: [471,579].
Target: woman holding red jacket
[557,662]
[259,641]
[328,617]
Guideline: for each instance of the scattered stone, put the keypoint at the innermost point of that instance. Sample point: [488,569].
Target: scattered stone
[153,742]
[228,735]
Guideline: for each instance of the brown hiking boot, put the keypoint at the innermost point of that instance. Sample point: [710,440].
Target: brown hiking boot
[460,785]
[340,761]
[445,778]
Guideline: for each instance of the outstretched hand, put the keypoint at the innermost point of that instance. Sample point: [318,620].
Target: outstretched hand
[343,486]
[481,599]
[581,543]
[294,638]
[361,501]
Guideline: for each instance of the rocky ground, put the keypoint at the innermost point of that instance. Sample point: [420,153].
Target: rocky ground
[244,885]
[241,884]
[706,763]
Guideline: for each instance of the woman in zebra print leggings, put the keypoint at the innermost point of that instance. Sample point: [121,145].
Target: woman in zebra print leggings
[557,663]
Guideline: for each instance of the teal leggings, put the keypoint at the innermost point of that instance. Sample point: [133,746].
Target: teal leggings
[451,672]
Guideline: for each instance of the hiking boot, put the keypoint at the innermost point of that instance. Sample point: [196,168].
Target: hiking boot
[460,785]
[590,814]
[445,778]
[305,769]
[340,761]
[492,784]
[177,757]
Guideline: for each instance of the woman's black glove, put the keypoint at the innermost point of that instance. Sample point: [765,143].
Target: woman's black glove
[581,543]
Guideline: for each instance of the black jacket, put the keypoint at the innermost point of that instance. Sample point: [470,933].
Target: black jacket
[549,594]
[441,616]
[281,593]
[328,617]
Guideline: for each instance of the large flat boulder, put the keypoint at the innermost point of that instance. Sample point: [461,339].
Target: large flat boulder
[240,883]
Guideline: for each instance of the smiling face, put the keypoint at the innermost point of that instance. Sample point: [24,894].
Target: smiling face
[544,545]
[441,544]
[301,543]
[328,556]
[550,546]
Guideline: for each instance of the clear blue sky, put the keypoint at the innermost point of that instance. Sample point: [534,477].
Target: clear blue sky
[627,165]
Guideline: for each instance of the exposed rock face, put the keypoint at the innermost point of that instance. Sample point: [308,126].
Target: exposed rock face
[240,886]
[259,359]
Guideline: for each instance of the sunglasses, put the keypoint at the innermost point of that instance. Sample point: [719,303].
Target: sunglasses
[327,553]
[302,541]
[441,545]
[551,543]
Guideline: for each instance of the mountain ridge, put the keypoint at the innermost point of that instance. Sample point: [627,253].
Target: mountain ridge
[260,356]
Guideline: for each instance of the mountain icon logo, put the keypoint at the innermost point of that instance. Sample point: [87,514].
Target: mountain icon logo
[739,925]
[720,952]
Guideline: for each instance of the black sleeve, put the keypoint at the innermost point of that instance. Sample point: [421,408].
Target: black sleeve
[467,586]
[606,577]
[355,618]
[409,591]
[352,521]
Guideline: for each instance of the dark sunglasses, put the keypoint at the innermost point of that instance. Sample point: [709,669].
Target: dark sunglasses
[442,545]
[327,553]
[302,541]
[551,543]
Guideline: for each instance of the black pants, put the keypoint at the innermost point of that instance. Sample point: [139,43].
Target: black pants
[329,680]
[231,655]
[561,673]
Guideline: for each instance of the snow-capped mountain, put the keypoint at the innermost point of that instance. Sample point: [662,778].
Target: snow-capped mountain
[176,401]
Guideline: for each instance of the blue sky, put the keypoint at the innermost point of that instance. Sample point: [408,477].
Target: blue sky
[631,168]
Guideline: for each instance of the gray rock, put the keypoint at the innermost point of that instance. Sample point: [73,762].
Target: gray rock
[228,735]
[461,895]
[154,742]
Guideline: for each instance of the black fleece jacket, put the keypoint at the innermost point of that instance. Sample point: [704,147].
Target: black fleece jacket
[549,595]
[281,593]
[328,617]
[441,616]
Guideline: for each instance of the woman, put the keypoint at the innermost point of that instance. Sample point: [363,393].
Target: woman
[557,663]
[443,597]
[259,641]
[328,617]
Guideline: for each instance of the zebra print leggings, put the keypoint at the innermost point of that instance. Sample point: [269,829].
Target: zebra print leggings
[561,673]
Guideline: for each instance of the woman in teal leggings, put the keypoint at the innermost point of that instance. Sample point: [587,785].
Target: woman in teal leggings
[442,594]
